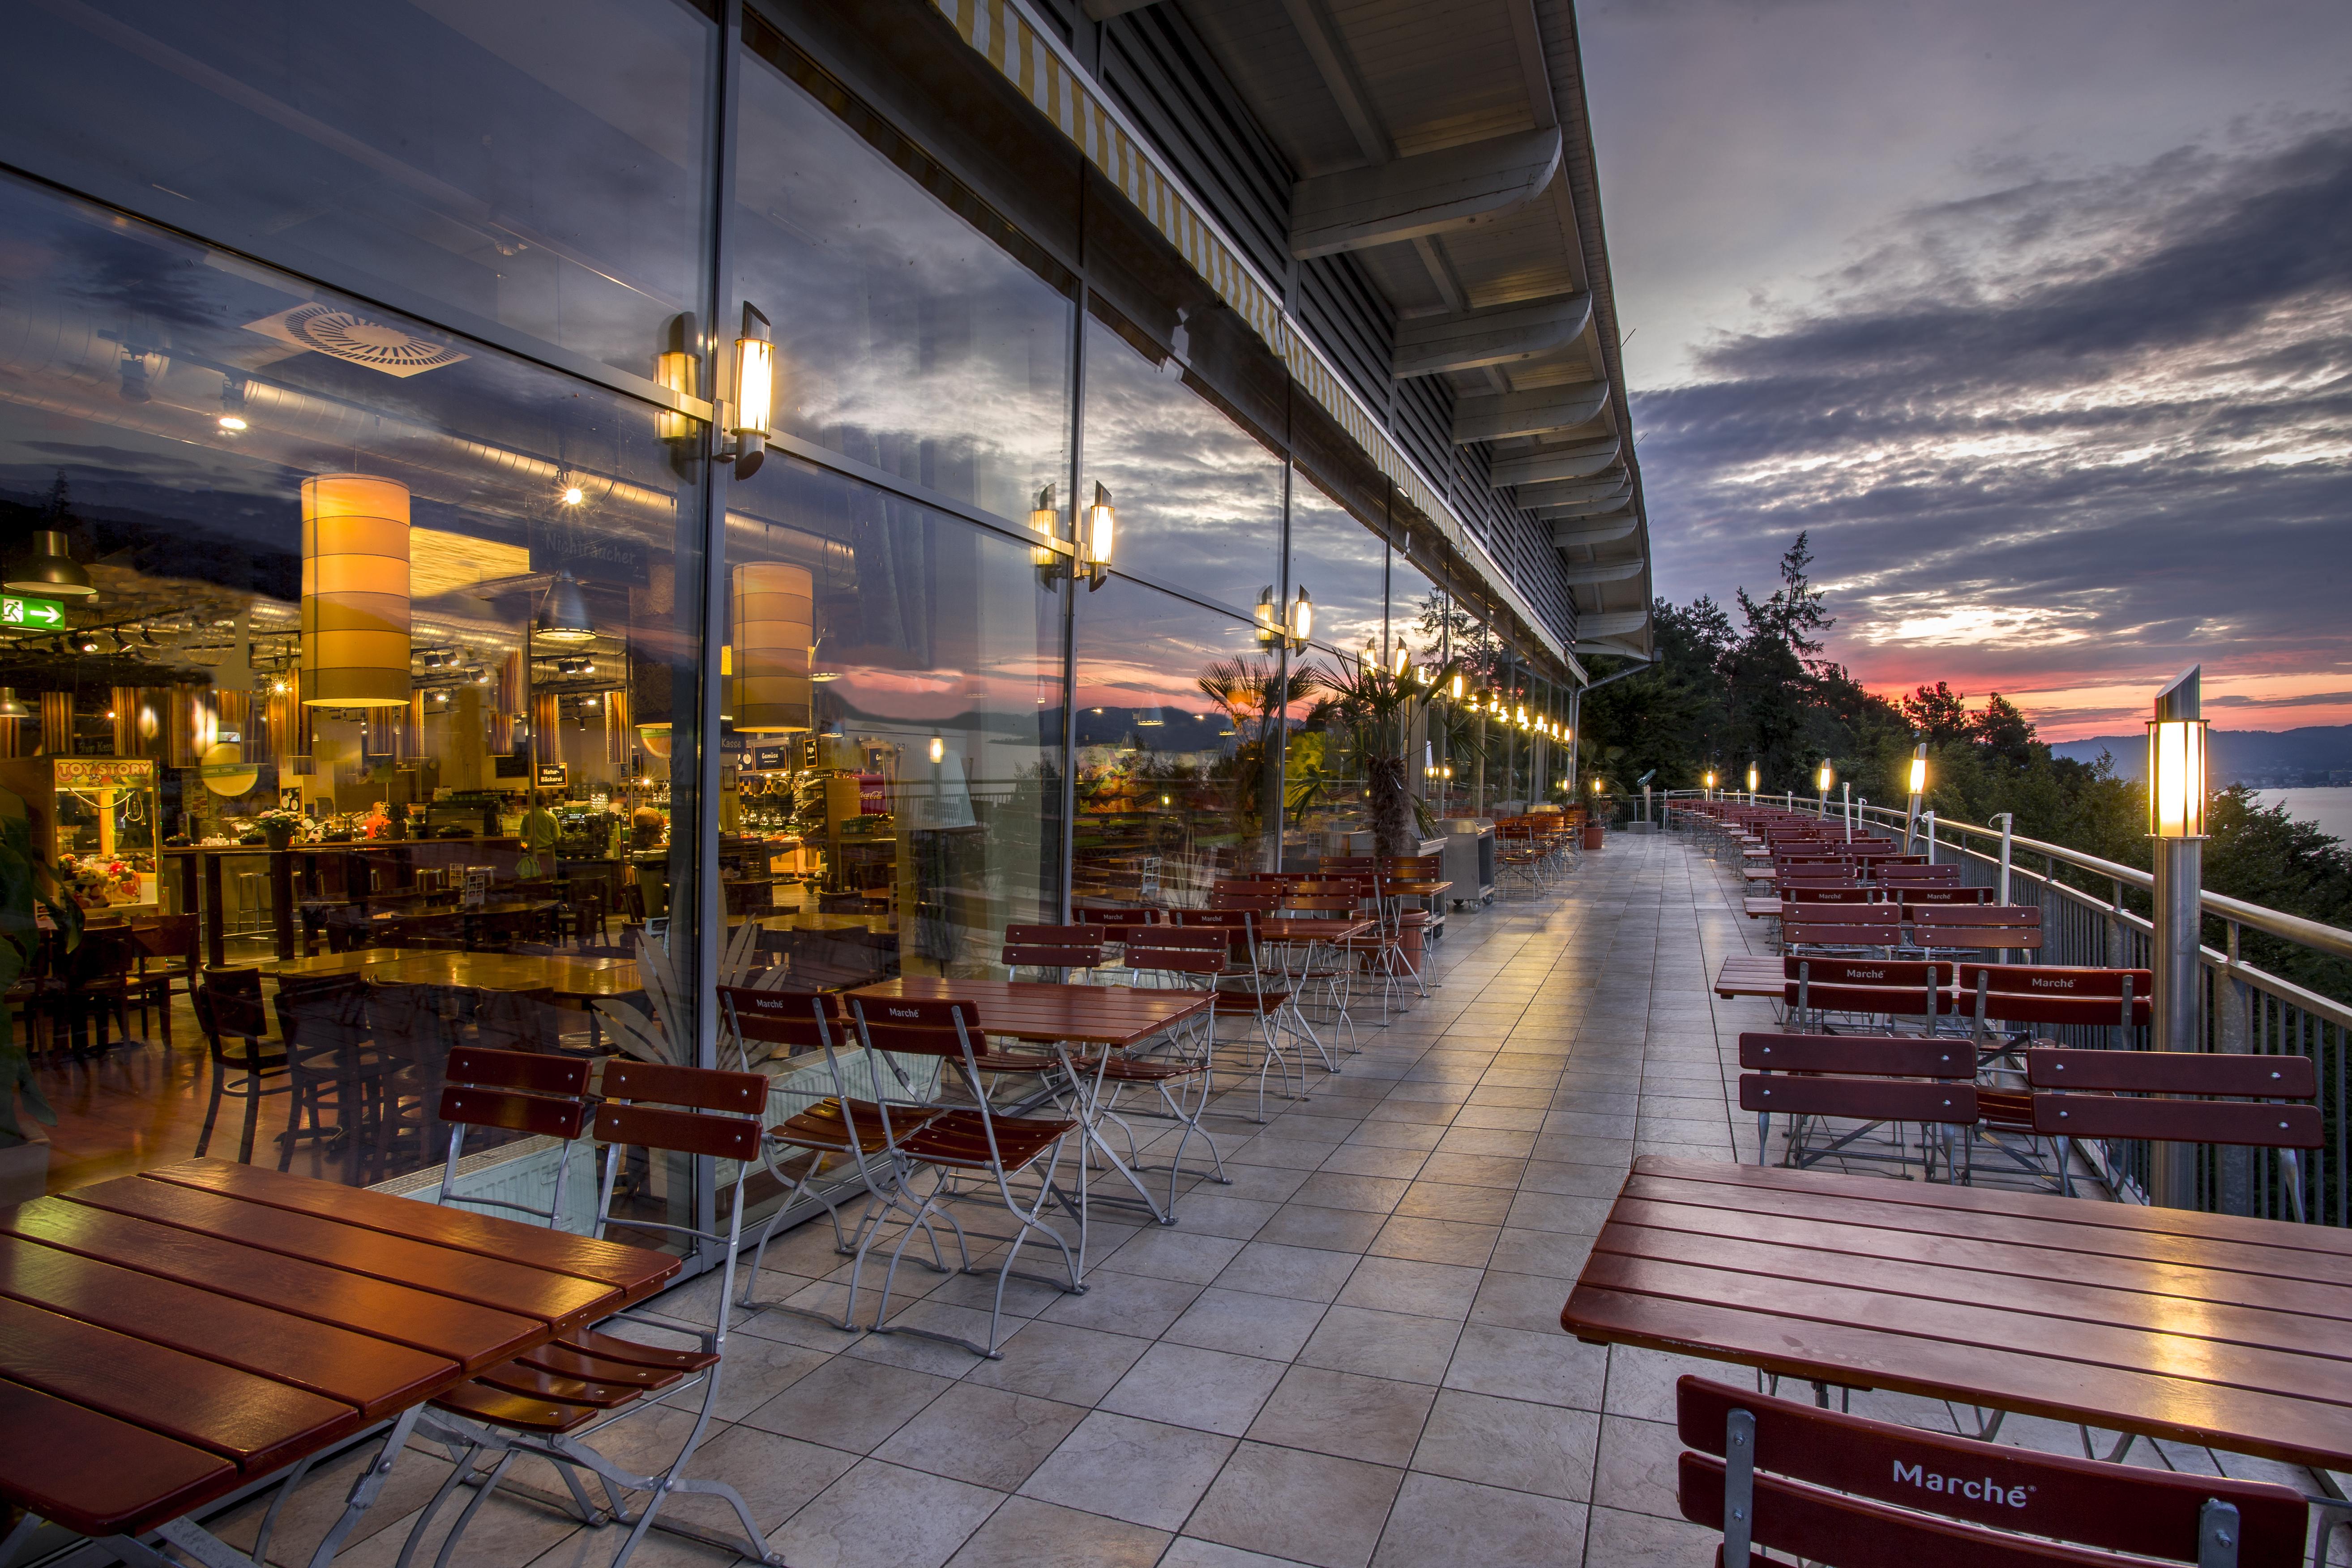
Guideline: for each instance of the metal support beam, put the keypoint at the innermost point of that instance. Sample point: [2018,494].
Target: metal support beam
[1104,10]
[1577,533]
[1500,335]
[1430,193]
[1542,412]
[1608,487]
[1603,624]
[1578,460]
[1601,572]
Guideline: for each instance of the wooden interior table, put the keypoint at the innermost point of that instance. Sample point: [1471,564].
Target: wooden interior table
[574,977]
[1107,1017]
[804,921]
[169,1338]
[2210,1330]
[355,961]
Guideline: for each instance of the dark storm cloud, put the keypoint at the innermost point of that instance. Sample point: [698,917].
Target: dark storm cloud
[2069,429]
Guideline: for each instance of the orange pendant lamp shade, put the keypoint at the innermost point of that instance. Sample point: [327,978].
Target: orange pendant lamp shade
[354,592]
[774,615]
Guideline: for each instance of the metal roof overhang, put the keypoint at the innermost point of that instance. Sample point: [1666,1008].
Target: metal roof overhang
[1467,221]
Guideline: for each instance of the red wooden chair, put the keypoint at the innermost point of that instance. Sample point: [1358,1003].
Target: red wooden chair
[1870,1079]
[968,1144]
[1850,927]
[1841,1490]
[1869,988]
[839,1127]
[1974,928]
[2183,1097]
[1057,949]
[2005,1004]
[550,1402]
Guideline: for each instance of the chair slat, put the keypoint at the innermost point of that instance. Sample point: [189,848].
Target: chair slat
[2173,1072]
[2235,1122]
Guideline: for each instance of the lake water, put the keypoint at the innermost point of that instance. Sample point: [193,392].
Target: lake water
[2331,808]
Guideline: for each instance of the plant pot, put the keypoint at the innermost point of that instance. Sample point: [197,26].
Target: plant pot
[277,839]
[1592,836]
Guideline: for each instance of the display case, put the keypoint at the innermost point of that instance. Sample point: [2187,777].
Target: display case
[95,817]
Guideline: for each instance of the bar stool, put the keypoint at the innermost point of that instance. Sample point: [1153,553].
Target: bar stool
[252,902]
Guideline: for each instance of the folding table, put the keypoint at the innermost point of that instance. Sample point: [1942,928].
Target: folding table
[170,1338]
[1109,1017]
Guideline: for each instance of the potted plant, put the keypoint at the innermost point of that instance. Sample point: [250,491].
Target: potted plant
[1375,708]
[279,827]
[28,887]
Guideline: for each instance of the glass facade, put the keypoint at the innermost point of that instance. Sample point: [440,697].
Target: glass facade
[444,671]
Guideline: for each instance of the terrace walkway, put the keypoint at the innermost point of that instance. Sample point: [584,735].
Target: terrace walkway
[1352,1355]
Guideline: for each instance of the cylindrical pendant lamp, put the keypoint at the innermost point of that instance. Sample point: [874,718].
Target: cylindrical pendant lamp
[354,592]
[546,727]
[506,703]
[58,723]
[187,726]
[126,721]
[774,625]
[618,732]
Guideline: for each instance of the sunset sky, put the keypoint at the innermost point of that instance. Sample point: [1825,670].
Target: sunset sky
[2036,313]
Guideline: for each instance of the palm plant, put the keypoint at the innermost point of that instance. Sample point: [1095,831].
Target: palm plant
[1375,706]
[1256,695]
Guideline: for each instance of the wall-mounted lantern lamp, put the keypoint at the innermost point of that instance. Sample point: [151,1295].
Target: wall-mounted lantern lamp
[1404,660]
[1301,622]
[1269,617]
[678,369]
[1457,685]
[1095,541]
[939,749]
[755,387]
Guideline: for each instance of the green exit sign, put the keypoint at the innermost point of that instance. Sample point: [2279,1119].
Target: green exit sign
[47,615]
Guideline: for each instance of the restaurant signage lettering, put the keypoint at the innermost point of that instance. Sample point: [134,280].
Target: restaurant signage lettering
[104,773]
[550,775]
[770,759]
[590,554]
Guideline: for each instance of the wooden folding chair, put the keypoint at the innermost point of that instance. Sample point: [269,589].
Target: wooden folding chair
[1055,950]
[1974,928]
[1870,1079]
[2181,1097]
[1846,1491]
[2005,1004]
[550,1403]
[1867,989]
[960,1143]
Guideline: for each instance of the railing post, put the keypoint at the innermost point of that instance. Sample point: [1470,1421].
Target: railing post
[2231,1029]
[2008,821]
[1930,821]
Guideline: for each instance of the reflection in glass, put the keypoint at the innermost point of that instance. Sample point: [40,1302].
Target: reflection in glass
[1177,734]
[905,814]
[536,165]
[1200,498]
[905,337]
[374,707]
[1344,563]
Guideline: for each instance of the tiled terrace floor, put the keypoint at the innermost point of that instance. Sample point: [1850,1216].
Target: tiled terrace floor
[1352,1355]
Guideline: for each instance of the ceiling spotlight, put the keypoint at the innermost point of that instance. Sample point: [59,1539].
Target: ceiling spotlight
[86,643]
[573,495]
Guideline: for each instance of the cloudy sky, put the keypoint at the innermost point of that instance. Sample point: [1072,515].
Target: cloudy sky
[2036,313]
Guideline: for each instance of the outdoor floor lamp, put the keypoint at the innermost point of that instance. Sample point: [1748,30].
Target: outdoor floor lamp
[1918,790]
[2176,820]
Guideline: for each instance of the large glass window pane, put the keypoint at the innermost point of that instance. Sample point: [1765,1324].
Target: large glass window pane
[1343,565]
[539,166]
[1199,498]
[892,722]
[435,633]
[1179,741]
[907,335]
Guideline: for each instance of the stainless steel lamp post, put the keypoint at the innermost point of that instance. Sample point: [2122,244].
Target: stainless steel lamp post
[2176,820]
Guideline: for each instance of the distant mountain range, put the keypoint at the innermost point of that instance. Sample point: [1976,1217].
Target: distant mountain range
[2319,754]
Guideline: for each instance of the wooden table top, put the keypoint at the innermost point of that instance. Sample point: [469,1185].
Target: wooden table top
[2204,1328]
[168,1337]
[1745,975]
[1279,928]
[514,971]
[1416,890]
[803,922]
[351,963]
[1117,1016]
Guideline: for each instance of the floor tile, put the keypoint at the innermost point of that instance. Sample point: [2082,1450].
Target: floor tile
[1376,1419]
[1027,1533]
[1305,1273]
[1186,1386]
[1246,1323]
[1438,1520]
[1143,1472]
[988,1436]
[1511,1443]
[1382,1344]
[882,1516]
[1311,1507]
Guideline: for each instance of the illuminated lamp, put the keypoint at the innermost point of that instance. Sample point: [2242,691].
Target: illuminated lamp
[354,592]
[1269,617]
[1046,522]
[1100,535]
[1402,660]
[563,616]
[774,610]
[1751,778]
[1825,778]
[678,369]
[1302,620]
[755,391]
[2176,773]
